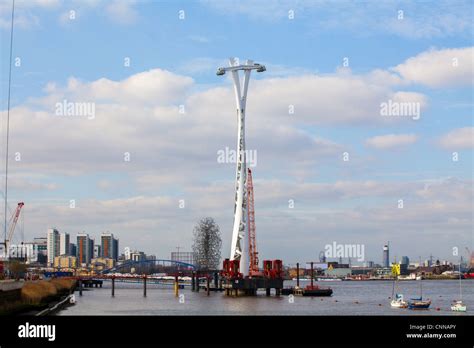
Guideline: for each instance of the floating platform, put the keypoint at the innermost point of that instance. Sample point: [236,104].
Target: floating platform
[249,286]
[314,292]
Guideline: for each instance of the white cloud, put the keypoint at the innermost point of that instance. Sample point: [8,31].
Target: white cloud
[439,68]
[420,19]
[458,139]
[391,140]
[122,11]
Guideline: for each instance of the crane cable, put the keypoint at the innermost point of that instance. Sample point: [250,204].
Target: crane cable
[8,120]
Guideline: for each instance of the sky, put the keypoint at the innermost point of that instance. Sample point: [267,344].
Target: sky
[331,166]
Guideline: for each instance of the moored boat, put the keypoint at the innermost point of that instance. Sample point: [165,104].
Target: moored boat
[419,303]
[399,302]
[458,306]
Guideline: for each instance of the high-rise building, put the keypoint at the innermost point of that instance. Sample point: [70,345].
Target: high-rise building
[52,244]
[64,247]
[91,249]
[73,249]
[41,244]
[405,260]
[127,253]
[109,245]
[386,256]
[115,249]
[83,249]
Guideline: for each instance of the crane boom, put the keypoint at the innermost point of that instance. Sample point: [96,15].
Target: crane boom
[253,253]
[14,220]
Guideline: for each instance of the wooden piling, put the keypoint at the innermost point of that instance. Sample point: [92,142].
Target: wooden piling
[176,286]
[80,287]
[208,285]
[144,286]
[113,286]
[298,274]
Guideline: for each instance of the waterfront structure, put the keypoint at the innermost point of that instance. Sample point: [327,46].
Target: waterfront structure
[52,244]
[65,261]
[338,272]
[386,256]
[64,247]
[138,256]
[41,245]
[240,227]
[83,249]
[101,263]
[127,253]
[368,264]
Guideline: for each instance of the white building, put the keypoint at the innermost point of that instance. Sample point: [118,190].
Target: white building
[53,244]
[64,245]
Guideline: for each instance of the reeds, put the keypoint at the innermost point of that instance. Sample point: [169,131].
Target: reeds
[40,291]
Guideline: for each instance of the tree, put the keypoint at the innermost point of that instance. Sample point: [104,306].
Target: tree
[207,244]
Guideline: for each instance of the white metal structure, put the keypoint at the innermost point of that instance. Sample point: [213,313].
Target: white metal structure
[240,208]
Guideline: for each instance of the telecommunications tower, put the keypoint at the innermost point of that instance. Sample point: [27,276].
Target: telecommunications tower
[240,207]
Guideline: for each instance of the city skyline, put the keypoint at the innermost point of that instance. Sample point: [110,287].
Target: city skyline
[331,166]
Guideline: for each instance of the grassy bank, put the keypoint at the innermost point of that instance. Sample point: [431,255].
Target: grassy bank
[36,295]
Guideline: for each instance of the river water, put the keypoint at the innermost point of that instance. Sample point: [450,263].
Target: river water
[349,298]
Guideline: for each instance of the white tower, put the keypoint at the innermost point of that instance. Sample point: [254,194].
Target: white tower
[238,251]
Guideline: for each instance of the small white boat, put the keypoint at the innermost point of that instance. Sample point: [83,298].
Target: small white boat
[399,302]
[458,306]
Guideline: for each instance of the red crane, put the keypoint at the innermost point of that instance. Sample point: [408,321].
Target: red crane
[13,221]
[253,253]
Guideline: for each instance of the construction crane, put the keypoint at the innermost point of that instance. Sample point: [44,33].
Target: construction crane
[13,221]
[253,253]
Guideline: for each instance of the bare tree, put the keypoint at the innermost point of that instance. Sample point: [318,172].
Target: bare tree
[207,244]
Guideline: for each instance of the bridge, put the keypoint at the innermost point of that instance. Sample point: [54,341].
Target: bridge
[152,266]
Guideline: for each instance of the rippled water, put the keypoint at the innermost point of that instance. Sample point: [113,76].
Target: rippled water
[349,298]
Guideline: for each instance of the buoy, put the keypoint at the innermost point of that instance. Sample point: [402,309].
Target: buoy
[335,300]
[357,302]
[72,299]
[438,309]
[380,304]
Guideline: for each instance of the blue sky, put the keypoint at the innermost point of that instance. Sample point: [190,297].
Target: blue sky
[173,63]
